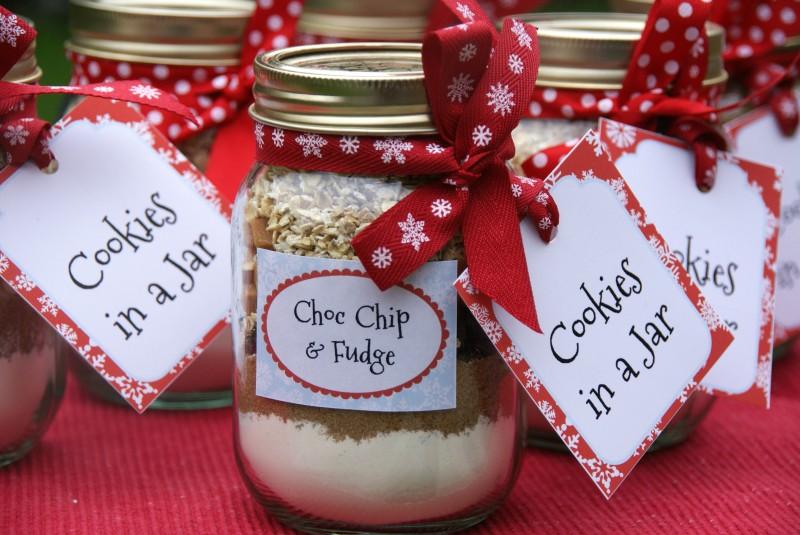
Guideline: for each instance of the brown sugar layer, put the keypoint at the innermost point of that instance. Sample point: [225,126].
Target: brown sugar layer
[481,385]
[22,331]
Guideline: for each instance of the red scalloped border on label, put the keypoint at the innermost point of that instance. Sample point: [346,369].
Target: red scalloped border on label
[351,395]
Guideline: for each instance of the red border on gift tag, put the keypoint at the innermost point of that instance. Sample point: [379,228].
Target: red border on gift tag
[437,357]
[589,160]
[139,394]
[783,333]
[764,179]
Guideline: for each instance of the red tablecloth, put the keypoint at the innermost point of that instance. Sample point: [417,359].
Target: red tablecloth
[103,469]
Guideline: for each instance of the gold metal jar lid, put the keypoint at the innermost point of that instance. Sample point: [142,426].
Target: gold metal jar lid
[348,88]
[593,50]
[175,32]
[365,20]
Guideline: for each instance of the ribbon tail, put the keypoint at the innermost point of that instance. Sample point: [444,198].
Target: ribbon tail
[705,140]
[540,164]
[410,233]
[231,155]
[126,91]
[533,200]
[783,103]
[492,235]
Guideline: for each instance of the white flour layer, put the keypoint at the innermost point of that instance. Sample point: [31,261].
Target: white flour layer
[397,477]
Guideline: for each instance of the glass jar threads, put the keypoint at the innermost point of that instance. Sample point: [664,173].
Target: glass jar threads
[192,49]
[586,56]
[318,460]
[332,21]
[32,373]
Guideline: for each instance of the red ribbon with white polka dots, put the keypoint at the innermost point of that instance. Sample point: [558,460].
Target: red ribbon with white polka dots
[23,136]
[219,96]
[662,90]
[477,83]
[755,33]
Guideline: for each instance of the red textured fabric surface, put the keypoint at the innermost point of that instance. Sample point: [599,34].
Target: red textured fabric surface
[104,469]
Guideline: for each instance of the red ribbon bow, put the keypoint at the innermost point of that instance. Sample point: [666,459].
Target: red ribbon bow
[662,90]
[477,123]
[23,135]
[664,82]
[478,83]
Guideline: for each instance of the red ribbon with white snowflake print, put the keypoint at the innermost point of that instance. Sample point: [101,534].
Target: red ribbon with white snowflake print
[477,83]
[755,34]
[662,90]
[23,136]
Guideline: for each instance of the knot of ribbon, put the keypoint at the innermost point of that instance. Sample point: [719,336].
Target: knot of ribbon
[24,136]
[477,82]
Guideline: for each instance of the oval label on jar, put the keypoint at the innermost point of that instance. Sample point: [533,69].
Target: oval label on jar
[335,333]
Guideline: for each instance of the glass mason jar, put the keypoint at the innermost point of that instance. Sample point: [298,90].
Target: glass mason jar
[589,53]
[327,470]
[167,44]
[786,269]
[786,241]
[32,374]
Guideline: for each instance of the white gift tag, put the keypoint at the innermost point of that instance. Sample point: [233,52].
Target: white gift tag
[725,238]
[757,137]
[125,250]
[626,336]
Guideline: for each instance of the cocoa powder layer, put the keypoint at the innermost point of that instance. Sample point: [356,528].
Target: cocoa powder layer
[198,148]
[484,388]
